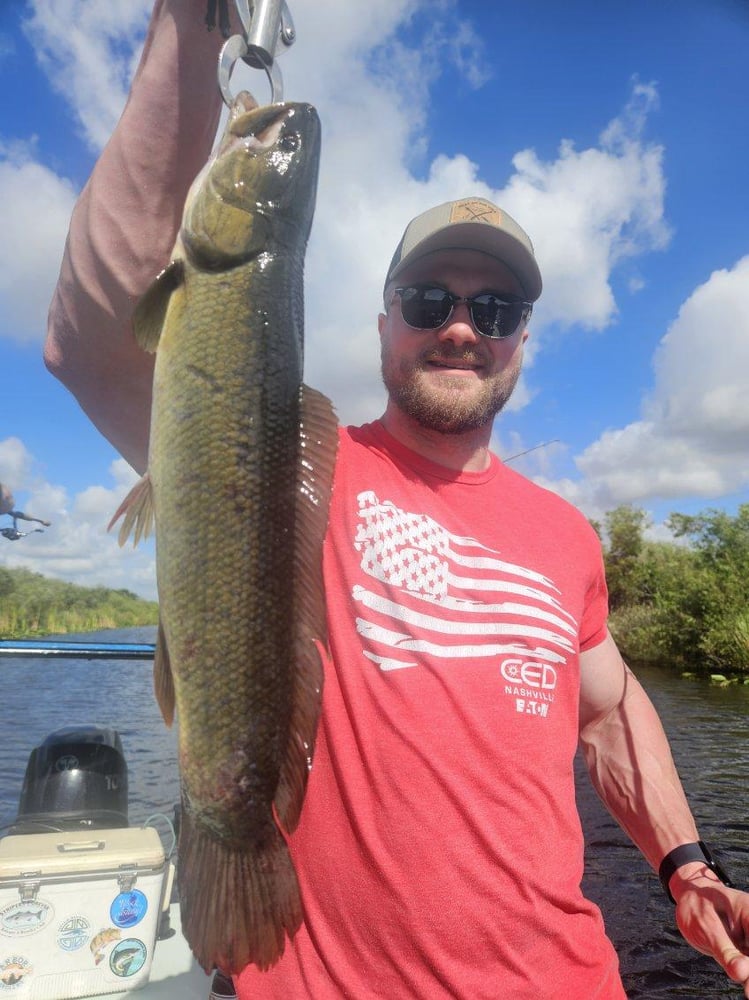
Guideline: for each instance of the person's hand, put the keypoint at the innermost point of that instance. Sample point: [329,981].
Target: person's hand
[715,920]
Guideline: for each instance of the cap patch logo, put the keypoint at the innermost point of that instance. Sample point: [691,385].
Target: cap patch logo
[475,210]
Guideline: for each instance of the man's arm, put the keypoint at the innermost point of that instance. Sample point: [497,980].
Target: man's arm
[630,764]
[7,503]
[125,222]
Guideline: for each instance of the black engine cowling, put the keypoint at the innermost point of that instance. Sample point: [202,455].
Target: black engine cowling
[76,779]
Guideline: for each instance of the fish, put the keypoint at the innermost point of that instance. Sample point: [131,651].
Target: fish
[26,917]
[240,469]
[105,936]
[123,960]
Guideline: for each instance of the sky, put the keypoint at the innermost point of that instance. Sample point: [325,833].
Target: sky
[614,131]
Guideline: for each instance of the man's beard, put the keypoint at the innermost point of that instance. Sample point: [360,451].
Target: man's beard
[456,407]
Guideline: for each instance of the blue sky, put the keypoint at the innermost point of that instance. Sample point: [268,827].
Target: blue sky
[615,132]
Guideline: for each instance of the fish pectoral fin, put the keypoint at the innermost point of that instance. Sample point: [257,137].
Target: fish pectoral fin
[163,681]
[137,508]
[150,312]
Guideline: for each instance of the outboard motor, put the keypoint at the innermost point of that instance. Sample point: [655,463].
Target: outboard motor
[76,779]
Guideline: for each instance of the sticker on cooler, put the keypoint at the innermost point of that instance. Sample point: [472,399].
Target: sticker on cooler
[129,908]
[13,971]
[73,933]
[128,957]
[25,917]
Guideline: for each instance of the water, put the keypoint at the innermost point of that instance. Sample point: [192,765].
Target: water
[42,695]
[708,728]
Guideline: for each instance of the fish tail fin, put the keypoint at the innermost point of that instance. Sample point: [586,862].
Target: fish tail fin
[319,437]
[163,681]
[238,903]
[137,508]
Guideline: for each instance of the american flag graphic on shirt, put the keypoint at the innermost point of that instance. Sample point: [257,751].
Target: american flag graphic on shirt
[451,597]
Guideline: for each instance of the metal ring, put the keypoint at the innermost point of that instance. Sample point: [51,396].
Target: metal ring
[234,49]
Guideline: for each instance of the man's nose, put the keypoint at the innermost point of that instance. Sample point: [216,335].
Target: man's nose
[459,327]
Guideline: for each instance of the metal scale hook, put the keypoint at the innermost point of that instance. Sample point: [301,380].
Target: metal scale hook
[268,30]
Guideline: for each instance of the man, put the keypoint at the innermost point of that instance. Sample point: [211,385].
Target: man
[7,503]
[439,851]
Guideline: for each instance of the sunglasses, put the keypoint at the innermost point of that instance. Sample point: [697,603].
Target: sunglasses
[428,307]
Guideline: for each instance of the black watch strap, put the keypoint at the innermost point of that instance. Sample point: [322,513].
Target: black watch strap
[682,856]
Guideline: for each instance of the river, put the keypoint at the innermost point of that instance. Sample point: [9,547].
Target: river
[708,727]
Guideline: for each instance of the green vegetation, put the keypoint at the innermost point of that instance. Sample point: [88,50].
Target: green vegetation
[683,603]
[32,604]
[686,602]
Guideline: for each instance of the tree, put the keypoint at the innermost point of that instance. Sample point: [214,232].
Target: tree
[721,543]
[624,529]
[7,583]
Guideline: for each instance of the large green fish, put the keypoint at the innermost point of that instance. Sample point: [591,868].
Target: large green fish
[241,460]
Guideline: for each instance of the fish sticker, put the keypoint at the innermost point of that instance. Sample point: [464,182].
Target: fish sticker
[128,957]
[101,940]
[23,918]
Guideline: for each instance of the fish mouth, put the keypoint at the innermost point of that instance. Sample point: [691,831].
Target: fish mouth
[256,126]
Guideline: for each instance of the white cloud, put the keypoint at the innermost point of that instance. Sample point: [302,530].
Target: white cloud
[89,50]
[76,546]
[15,463]
[36,211]
[693,436]
[702,365]
[587,209]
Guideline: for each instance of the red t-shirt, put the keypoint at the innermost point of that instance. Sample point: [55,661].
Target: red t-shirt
[439,851]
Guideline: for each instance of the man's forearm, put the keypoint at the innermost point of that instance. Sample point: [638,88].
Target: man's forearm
[631,766]
[125,222]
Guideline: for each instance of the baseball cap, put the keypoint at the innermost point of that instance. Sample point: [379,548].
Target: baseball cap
[470,224]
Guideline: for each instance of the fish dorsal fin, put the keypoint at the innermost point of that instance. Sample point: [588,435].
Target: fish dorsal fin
[137,509]
[163,682]
[319,439]
[150,312]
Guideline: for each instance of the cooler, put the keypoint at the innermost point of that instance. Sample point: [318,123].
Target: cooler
[80,911]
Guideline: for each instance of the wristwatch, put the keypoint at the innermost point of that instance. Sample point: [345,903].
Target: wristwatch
[684,854]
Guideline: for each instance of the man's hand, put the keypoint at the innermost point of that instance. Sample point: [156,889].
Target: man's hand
[715,920]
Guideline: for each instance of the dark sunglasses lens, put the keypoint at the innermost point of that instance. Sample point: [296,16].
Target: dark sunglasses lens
[425,308]
[494,318]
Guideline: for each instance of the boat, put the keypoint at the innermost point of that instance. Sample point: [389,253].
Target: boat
[174,972]
[87,902]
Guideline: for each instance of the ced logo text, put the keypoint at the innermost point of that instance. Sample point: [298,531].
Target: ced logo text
[529,674]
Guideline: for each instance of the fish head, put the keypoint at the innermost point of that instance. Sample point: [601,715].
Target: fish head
[258,191]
